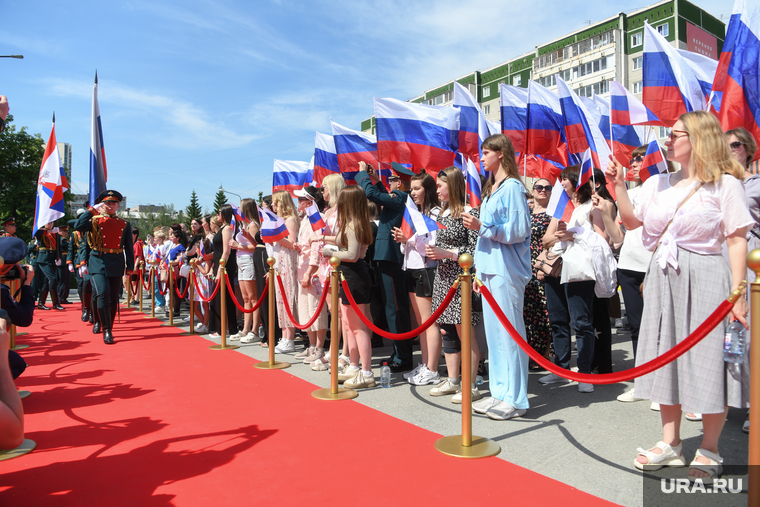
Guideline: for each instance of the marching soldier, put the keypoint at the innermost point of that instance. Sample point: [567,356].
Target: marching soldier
[110,241]
[64,278]
[48,260]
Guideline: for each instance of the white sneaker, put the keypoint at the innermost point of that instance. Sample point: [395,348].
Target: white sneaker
[414,372]
[199,325]
[444,388]
[317,353]
[425,377]
[552,379]
[186,319]
[285,346]
[628,397]
[654,406]
[585,388]
[484,404]
[202,329]
[249,338]
[305,353]
[457,398]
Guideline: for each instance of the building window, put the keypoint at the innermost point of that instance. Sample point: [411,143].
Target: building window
[486,91]
[517,80]
[637,40]
[638,63]
[638,87]
[663,30]
[487,109]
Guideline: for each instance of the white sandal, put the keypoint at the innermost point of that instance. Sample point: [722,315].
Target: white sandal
[671,456]
[714,469]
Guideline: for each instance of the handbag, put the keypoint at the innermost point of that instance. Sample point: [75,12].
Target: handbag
[549,262]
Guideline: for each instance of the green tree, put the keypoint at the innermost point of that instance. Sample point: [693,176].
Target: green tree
[166,215]
[20,160]
[220,199]
[193,209]
[261,197]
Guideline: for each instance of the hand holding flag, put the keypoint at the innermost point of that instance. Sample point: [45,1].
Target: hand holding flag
[415,222]
[272,227]
[560,205]
[587,170]
[315,219]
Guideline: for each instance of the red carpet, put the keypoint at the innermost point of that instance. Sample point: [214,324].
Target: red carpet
[160,420]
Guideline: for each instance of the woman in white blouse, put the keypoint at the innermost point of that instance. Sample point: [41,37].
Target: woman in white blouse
[686,217]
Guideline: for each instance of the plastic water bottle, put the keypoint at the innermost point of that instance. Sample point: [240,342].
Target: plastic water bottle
[733,349]
[385,375]
[262,333]
[479,380]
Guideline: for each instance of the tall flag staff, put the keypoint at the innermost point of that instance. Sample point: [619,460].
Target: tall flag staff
[49,206]
[98,170]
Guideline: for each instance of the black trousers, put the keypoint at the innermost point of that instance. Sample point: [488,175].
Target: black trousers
[396,302]
[64,279]
[215,313]
[49,281]
[106,291]
[630,283]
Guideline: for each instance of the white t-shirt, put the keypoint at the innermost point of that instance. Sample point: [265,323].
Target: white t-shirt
[633,255]
[414,249]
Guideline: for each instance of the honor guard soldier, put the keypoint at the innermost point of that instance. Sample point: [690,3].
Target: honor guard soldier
[9,224]
[64,277]
[48,260]
[111,252]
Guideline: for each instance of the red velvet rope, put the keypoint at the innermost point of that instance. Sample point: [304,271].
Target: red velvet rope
[403,336]
[176,290]
[166,287]
[316,313]
[612,378]
[234,299]
[198,291]
[142,278]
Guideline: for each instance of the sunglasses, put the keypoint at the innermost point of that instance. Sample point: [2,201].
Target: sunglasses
[542,188]
[736,145]
[672,136]
[636,159]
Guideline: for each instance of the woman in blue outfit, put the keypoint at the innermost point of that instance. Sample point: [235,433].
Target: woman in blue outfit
[504,240]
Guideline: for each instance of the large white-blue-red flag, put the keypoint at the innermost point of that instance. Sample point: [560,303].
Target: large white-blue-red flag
[472,178]
[514,115]
[626,109]
[49,206]
[414,222]
[587,169]
[670,86]
[654,162]
[545,143]
[352,147]
[703,68]
[581,131]
[737,78]
[315,218]
[560,205]
[416,135]
[325,158]
[272,226]
[473,127]
[622,138]
[98,169]
[289,175]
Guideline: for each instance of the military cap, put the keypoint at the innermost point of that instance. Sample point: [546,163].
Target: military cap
[9,220]
[402,172]
[12,250]
[109,195]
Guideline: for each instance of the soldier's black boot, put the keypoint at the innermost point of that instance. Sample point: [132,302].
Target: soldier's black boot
[95,315]
[56,303]
[105,317]
[41,303]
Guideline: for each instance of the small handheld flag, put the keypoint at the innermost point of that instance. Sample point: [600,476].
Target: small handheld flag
[560,206]
[472,177]
[315,219]
[415,222]
[272,227]
[587,169]
[654,163]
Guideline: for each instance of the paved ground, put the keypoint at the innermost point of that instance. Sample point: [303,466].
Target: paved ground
[588,441]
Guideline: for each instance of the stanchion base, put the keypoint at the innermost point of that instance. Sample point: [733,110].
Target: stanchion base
[20,346]
[327,394]
[166,324]
[225,347]
[187,333]
[481,447]
[21,333]
[149,317]
[266,365]
[24,394]
[26,447]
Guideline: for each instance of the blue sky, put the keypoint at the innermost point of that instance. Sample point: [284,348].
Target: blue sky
[196,94]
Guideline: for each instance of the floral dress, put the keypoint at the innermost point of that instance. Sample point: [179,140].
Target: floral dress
[535,314]
[287,263]
[454,236]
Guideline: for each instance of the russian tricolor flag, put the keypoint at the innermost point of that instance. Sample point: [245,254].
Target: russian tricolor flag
[272,227]
[738,75]
[352,147]
[473,127]
[49,206]
[626,109]
[587,169]
[414,222]
[514,115]
[416,135]
[670,86]
[545,139]
[325,158]
[560,206]
[315,218]
[581,133]
[654,163]
[289,175]
[472,178]
[703,67]
[98,170]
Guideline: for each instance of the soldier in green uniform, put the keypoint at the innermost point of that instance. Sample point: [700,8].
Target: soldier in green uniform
[48,260]
[9,224]
[110,240]
[64,278]
[72,263]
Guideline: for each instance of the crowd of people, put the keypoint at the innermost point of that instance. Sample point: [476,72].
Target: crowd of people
[675,245]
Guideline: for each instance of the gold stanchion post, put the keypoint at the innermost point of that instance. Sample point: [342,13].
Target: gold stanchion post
[467,445]
[140,285]
[223,311]
[192,302]
[129,292]
[334,393]
[152,274]
[753,262]
[170,303]
[272,364]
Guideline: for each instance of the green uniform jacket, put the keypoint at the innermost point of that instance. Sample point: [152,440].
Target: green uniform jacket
[47,256]
[108,264]
[386,248]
